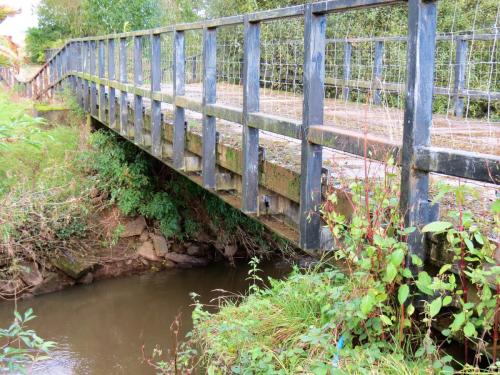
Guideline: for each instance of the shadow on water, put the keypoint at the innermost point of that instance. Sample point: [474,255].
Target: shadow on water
[100,328]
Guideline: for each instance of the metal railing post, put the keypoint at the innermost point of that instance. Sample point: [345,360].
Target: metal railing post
[156,125]
[414,202]
[93,86]
[460,68]
[313,112]
[112,77]
[102,89]
[123,94]
[251,82]
[209,97]
[179,90]
[86,70]
[347,69]
[138,117]
[377,72]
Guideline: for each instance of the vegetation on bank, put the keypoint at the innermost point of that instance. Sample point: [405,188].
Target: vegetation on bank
[138,185]
[362,310]
[55,179]
[38,179]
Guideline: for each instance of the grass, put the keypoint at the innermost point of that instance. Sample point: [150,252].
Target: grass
[33,155]
[294,326]
[44,191]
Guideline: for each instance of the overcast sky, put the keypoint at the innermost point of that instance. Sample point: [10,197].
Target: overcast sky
[17,25]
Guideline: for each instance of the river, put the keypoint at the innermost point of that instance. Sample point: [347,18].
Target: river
[100,328]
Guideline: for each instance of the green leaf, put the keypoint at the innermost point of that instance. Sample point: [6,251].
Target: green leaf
[407,273]
[403,292]
[410,310]
[424,282]
[469,330]
[390,273]
[435,307]
[397,257]
[386,320]
[445,268]
[479,238]
[458,321]
[447,300]
[367,304]
[415,259]
[469,244]
[437,226]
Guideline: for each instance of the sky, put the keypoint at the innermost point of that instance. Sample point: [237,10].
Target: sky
[16,26]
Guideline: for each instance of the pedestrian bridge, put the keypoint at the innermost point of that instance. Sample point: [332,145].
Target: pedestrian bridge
[270,109]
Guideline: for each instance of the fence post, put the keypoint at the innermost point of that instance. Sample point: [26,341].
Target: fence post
[251,81]
[209,97]
[93,86]
[417,120]
[46,82]
[59,69]
[156,124]
[377,71]
[347,69]
[102,90]
[312,154]
[40,83]
[138,118]
[460,68]
[112,77]
[71,66]
[33,87]
[30,89]
[86,60]
[123,94]
[179,90]
[78,67]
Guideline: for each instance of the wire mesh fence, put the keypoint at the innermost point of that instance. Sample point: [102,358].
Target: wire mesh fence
[193,64]
[230,65]
[281,68]
[167,62]
[146,61]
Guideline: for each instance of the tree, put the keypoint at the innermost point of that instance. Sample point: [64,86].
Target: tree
[59,20]
[9,51]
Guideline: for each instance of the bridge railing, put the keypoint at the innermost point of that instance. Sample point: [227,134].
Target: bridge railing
[105,69]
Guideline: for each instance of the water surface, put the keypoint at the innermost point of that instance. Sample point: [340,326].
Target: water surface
[100,328]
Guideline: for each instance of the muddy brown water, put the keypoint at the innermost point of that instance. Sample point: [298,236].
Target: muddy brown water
[100,328]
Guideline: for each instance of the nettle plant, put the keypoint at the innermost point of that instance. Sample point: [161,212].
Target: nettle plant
[371,246]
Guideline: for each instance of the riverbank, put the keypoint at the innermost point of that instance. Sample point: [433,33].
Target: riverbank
[79,205]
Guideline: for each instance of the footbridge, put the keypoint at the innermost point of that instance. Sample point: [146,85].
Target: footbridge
[269,110]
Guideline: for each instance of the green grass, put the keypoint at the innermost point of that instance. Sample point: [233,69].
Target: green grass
[44,191]
[33,156]
[294,326]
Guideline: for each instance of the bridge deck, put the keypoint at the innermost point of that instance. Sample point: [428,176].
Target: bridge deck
[277,135]
[285,152]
